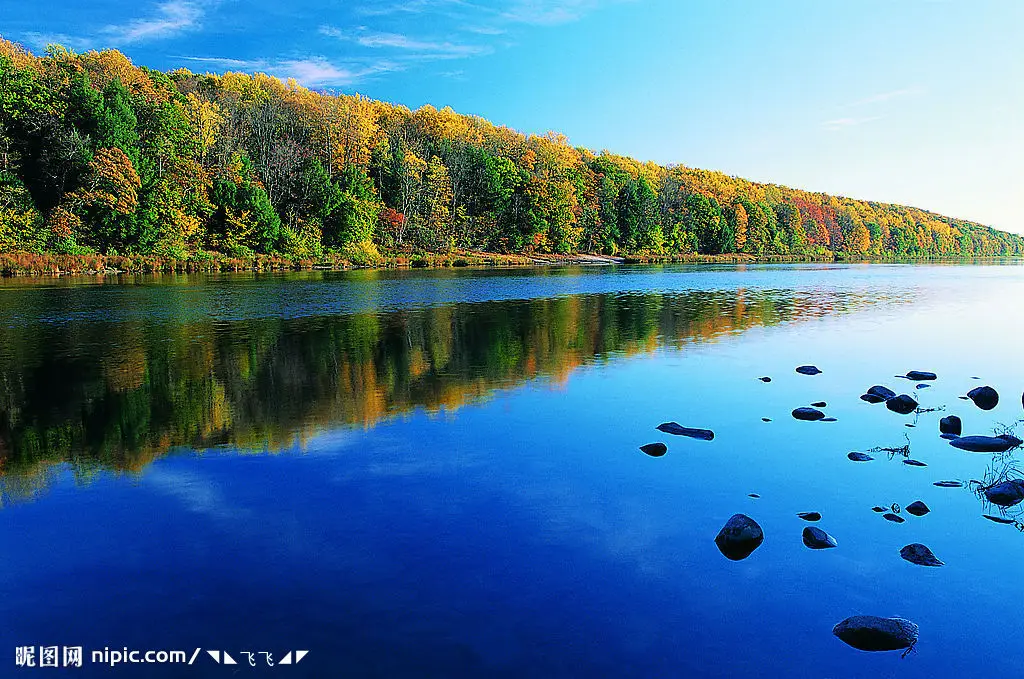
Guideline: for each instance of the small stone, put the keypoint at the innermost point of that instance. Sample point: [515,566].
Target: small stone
[872,398]
[922,386]
[917,553]
[917,508]
[948,484]
[810,516]
[895,518]
[753,495]
[766,419]
[921,376]
[914,463]
[859,457]
[985,398]
[998,519]
[679,430]
[820,404]
[877,509]
[951,425]
[765,379]
[884,392]
[815,538]
[828,419]
[902,404]
[655,449]
[808,370]
[871,633]
[986,444]
[911,426]
[739,537]
[808,414]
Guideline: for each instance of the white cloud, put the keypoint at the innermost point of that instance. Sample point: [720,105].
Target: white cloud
[844,123]
[171,18]
[887,96]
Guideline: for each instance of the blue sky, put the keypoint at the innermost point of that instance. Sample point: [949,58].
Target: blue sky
[912,101]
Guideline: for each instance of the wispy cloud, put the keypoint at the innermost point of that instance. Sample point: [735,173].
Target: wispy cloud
[314,71]
[404,43]
[845,123]
[171,18]
[39,41]
[548,12]
[888,96]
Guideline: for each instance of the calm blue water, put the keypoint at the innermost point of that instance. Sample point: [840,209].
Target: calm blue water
[437,474]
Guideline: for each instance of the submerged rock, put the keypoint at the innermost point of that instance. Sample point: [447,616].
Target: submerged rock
[919,554]
[895,518]
[949,437]
[754,495]
[679,430]
[810,516]
[998,519]
[816,538]
[808,414]
[872,398]
[829,419]
[655,449]
[917,508]
[1007,493]
[766,419]
[859,457]
[739,537]
[948,484]
[765,379]
[921,376]
[877,509]
[902,404]
[951,425]
[885,393]
[986,444]
[808,370]
[922,386]
[985,398]
[820,404]
[871,633]
[914,463]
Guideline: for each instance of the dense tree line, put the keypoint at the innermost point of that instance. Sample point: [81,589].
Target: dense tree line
[100,156]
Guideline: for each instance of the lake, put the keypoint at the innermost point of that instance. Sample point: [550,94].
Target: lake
[438,474]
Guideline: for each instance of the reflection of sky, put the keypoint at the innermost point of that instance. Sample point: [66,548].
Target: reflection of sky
[527,536]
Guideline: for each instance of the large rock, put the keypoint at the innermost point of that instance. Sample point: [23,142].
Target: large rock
[951,425]
[1006,494]
[655,449]
[917,508]
[902,404]
[921,376]
[986,444]
[816,538]
[808,414]
[919,554]
[985,398]
[808,370]
[739,537]
[871,633]
[885,393]
[679,430]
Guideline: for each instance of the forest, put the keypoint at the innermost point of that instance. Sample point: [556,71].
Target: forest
[102,157]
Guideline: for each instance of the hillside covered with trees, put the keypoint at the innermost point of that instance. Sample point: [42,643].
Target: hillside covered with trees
[99,156]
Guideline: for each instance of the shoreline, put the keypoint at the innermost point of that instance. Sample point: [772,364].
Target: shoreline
[24,265]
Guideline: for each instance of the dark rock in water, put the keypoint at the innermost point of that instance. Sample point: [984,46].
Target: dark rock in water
[919,554]
[753,495]
[816,538]
[655,449]
[963,398]
[951,425]
[871,633]
[949,437]
[766,419]
[1006,494]
[765,379]
[679,430]
[877,509]
[917,508]
[895,518]
[820,404]
[986,444]
[902,404]
[985,398]
[810,516]
[884,392]
[948,484]
[914,463]
[998,519]
[911,426]
[872,398]
[739,537]
[808,414]
[808,370]
[859,457]
[829,419]
[921,376]
[922,386]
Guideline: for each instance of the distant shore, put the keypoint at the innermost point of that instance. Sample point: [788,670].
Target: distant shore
[35,265]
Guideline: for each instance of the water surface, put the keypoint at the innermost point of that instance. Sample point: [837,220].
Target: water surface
[437,474]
